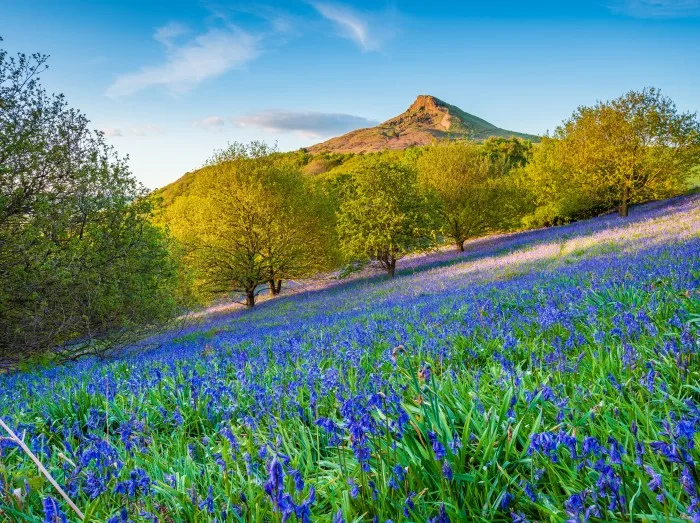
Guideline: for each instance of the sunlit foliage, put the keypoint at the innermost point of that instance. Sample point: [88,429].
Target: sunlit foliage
[250,219]
[472,189]
[383,215]
[632,149]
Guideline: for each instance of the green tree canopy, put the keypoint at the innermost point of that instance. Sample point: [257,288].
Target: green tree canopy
[383,215]
[250,218]
[472,189]
[515,152]
[558,193]
[632,149]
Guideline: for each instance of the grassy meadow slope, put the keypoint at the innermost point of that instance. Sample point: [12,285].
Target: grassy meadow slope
[549,375]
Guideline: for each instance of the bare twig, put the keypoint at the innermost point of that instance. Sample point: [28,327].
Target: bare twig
[42,469]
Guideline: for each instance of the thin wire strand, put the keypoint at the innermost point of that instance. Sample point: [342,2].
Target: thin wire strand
[42,469]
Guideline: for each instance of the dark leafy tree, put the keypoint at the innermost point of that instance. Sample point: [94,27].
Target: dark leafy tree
[80,261]
[514,152]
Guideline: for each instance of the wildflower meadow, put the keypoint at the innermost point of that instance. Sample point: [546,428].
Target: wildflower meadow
[552,375]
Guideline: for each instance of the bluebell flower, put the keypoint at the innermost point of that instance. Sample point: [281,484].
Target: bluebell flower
[441,517]
[138,482]
[518,517]
[438,447]
[274,486]
[638,452]
[228,434]
[52,511]
[455,444]
[649,379]
[208,503]
[123,517]
[373,489]
[332,428]
[685,430]
[354,490]
[530,491]
[425,372]
[298,480]
[545,443]
[614,382]
[506,500]
[303,510]
[398,473]
[219,460]
[655,483]
[149,517]
[670,451]
[614,451]
[569,442]
[447,470]
[578,510]
[688,483]
[94,485]
[408,504]
[591,446]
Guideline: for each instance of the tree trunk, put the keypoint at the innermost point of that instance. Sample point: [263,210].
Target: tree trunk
[391,268]
[250,298]
[460,245]
[275,286]
[624,203]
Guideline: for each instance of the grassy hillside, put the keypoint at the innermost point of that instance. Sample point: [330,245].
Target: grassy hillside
[546,376]
[479,129]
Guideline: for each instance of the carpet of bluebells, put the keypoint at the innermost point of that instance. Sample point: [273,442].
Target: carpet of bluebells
[551,376]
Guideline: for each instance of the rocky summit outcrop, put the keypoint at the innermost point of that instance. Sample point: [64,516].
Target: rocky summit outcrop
[426,120]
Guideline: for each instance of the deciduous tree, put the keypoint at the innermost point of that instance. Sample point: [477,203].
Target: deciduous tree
[383,215]
[80,262]
[250,219]
[515,152]
[470,186]
[632,149]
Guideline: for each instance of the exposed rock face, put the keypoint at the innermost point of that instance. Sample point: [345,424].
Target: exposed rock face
[427,119]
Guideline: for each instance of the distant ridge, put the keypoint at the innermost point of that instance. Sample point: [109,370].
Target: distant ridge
[427,119]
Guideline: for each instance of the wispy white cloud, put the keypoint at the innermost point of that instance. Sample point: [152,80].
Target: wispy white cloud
[132,130]
[169,32]
[145,130]
[657,8]
[369,31]
[188,64]
[211,123]
[309,123]
[279,21]
[112,132]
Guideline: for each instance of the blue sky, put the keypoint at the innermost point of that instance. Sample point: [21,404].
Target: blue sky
[169,82]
